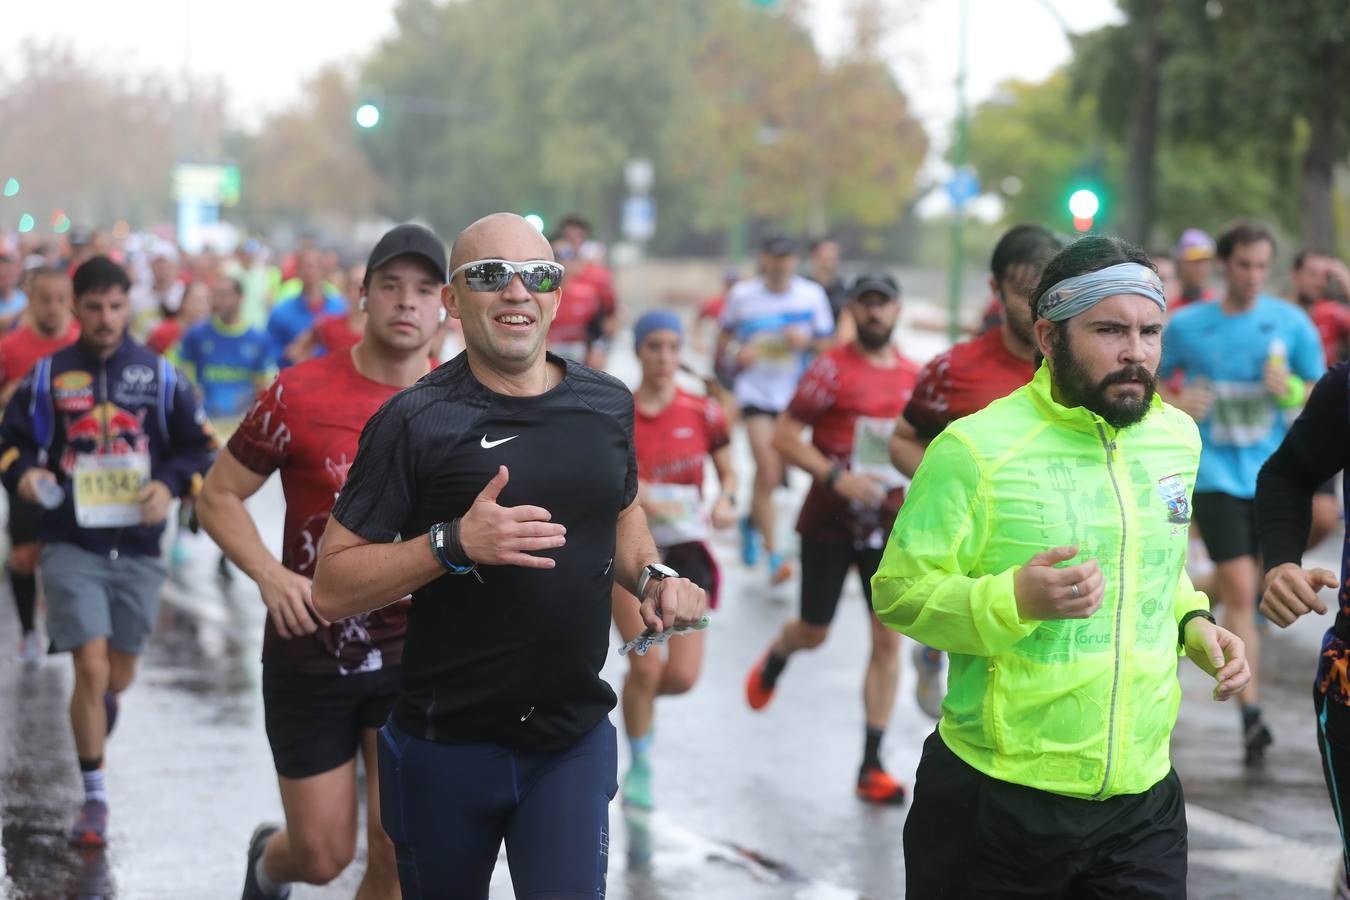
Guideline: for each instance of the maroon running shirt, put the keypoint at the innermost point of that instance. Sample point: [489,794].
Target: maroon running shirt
[307,425]
[964,380]
[839,388]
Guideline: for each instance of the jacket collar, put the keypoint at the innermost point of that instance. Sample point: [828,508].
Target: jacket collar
[92,358]
[1078,418]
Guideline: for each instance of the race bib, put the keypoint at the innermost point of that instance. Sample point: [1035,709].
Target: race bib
[772,352]
[675,514]
[1242,415]
[871,451]
[107,488]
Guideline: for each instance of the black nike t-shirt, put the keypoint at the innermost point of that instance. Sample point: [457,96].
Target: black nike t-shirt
[516,659]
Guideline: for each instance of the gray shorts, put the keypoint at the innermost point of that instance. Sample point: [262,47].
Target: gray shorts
[90,596]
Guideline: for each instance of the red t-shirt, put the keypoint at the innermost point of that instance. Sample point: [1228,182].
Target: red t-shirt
[308,424]
[570,333]
[712,307]
[1332,321]
[965,379]
[600,278]
[839,388]
[673,445]
[164,335]
[335,334]
[22,348]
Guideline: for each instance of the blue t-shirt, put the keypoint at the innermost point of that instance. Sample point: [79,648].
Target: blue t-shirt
[1245,424]
[227,362]
[292,317]
[15,304]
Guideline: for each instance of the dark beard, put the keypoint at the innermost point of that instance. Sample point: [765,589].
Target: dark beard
[1076,389]
[874,341]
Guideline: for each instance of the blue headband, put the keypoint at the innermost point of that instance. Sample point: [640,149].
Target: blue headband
[1080,293]
[656,320]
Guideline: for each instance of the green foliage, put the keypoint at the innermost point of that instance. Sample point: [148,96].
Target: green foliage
[1053,140]
[545,102]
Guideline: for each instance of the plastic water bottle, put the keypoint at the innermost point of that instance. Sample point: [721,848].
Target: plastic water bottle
[1278,354]
[50,494]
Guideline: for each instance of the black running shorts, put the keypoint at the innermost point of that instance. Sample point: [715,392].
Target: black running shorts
[825,566]
[314,722]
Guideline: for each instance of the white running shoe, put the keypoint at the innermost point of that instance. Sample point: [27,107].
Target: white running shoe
[931,685]
[30,650]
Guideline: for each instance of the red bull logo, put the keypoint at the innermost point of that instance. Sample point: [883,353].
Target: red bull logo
[106,430]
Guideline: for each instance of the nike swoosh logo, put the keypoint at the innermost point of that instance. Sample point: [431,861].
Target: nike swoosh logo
[488,445]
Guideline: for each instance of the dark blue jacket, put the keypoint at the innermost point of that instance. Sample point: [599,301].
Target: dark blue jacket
[74,403]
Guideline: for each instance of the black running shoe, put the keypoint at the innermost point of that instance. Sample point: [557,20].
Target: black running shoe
[1256,737]
[256,845]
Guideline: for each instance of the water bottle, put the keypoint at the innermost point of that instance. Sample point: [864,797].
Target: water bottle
[1278,354]
[50,494]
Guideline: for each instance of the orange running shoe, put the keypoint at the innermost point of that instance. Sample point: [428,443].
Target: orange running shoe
[780,570]
[877,786]
[756,694]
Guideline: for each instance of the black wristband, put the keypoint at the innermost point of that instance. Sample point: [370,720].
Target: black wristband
[1193,614]
[454,550]
[833,475]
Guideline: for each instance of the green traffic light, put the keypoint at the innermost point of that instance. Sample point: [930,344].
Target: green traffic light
[11,187]
[1084,204]
[367,115]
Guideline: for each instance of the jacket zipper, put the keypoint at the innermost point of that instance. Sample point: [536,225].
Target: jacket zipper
[103,442]
[1110,447]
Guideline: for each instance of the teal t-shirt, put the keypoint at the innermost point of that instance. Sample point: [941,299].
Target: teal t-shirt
[1228,353]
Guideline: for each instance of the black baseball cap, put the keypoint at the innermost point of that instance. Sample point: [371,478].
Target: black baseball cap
[881,282]
[779,245]
[409,240]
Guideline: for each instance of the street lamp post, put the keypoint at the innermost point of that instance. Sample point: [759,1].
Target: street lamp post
[958,262]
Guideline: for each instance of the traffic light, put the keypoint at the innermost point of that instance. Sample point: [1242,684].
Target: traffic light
[26,223]
[11,186]
[1084,204]
[367,115]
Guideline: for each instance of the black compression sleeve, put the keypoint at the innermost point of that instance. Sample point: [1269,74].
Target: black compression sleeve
[1315,449]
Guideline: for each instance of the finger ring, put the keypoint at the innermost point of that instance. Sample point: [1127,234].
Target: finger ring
[1074,588]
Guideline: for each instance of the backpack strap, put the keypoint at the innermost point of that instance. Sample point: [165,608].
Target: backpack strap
[168,392]
[40,408]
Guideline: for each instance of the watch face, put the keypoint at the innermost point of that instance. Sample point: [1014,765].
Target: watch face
[659,570]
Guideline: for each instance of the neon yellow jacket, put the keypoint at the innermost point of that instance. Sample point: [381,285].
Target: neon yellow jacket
[1080,707]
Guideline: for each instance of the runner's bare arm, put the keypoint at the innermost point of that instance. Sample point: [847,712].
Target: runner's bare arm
[670,602]
[906,447]
[787,440]
[724,508]
[355,575]
[220,507]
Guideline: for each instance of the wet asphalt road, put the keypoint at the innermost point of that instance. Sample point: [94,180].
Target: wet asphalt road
[750,805]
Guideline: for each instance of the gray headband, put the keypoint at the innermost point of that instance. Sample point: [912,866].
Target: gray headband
[1080,293]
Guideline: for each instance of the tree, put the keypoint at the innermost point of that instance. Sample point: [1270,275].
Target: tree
[1043,139]
[730,101]
[1263,80]
[305,163]
[97,147]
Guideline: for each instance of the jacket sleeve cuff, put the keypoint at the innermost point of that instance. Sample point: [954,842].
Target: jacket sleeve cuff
[994,612]
[1188,602]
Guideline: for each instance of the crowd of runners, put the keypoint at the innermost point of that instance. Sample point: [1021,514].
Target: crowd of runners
[1049,509]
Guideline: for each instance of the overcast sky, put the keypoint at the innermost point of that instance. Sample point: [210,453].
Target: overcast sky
[265,48]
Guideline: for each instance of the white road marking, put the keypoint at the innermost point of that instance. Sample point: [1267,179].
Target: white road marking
[1263,853]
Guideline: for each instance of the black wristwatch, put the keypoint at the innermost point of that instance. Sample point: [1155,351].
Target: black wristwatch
[655,570]
[1193,614]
